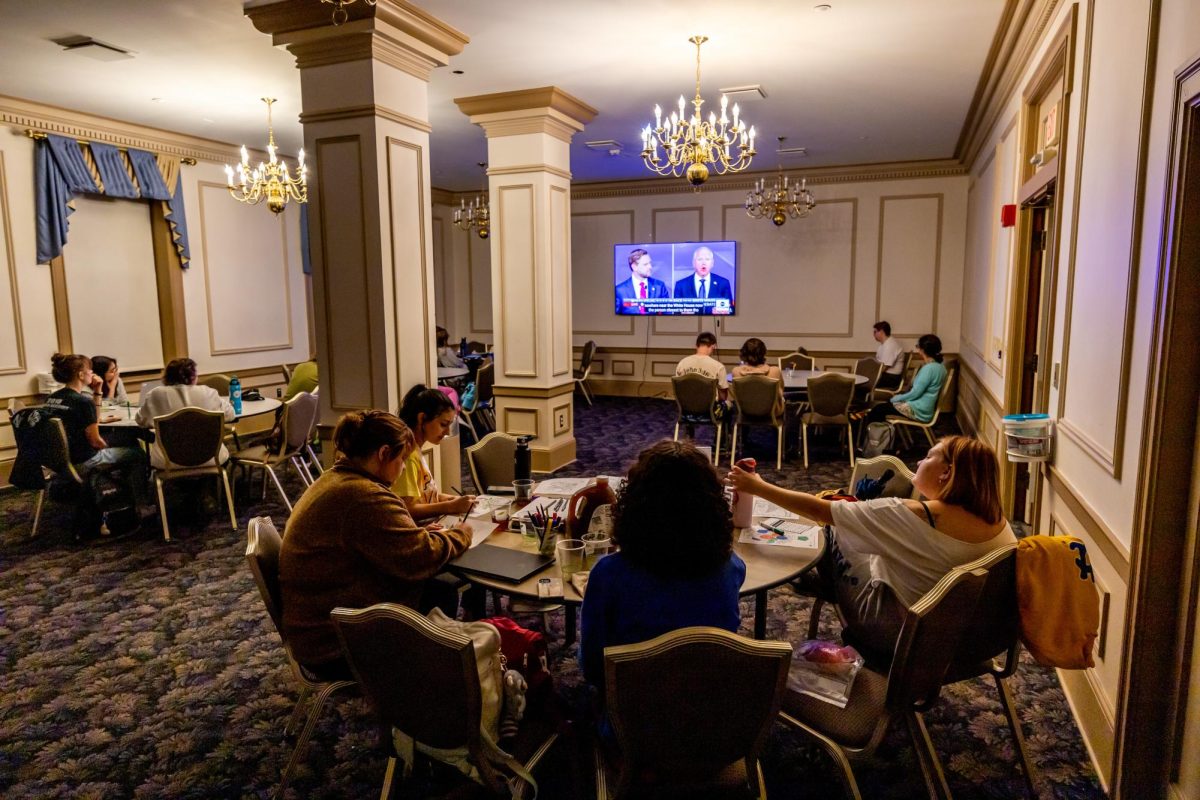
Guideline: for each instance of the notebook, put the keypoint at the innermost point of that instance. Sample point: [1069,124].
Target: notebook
[511,566]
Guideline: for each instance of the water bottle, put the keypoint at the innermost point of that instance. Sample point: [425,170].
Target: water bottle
[462,348]
[235,395]
[522,464]
[743,504]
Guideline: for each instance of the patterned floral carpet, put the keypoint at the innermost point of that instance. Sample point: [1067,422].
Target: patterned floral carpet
[145,669]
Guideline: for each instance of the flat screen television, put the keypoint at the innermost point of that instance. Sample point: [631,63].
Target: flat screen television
[675,278]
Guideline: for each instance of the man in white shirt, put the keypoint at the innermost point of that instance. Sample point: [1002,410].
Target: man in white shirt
[640,285]
[179,391]
[702,361]
[890,353]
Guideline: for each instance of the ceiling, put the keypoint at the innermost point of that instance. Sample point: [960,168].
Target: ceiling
[867,81]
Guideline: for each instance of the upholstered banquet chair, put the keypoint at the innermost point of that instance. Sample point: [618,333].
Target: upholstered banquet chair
[42,454]
[932,632]
[871,369]
[491,461]
[881,393]
[218,382]
[830,395]
[262,557]
[585,369]
[904,423]
[691,710]
[696,400]
[191,444]
[297,424]
[756,397]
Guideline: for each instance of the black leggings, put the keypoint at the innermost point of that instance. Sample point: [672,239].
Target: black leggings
[880,411]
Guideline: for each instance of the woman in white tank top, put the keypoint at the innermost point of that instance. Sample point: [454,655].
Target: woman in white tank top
[883,555]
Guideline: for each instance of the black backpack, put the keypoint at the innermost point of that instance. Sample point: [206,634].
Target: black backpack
[113,501]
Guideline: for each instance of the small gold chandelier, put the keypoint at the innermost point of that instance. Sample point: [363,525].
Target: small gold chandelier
[477,214]
[690,145]
[340,14]
[271,181]
[781,200]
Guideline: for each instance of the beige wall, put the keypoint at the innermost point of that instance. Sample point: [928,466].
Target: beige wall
[872,249]
[244,294]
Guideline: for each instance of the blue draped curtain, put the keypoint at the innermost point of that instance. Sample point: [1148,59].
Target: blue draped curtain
[61,171]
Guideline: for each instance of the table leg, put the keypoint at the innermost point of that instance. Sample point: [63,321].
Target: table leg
[569,637]
[760,614]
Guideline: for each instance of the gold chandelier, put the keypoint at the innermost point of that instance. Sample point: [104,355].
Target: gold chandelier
[476,215]
[271,181]
[340,14]
[691,145]
[781,200]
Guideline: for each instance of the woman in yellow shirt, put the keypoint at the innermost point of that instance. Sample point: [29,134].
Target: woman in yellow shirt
[429,414]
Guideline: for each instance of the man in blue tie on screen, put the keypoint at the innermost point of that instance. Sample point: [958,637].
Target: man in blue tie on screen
[640,285]
[704,284]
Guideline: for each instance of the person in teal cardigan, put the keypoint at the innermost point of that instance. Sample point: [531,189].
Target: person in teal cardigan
[920,401]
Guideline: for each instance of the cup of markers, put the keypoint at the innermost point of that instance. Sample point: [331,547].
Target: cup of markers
[543,528]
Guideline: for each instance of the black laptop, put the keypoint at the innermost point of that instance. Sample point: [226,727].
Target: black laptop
[501,563]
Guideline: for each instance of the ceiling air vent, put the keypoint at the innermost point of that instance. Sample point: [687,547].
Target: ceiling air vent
[93,48]
[792,151]
[743,94]
[610,146]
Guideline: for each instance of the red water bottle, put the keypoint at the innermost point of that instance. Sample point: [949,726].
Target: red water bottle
[743,504]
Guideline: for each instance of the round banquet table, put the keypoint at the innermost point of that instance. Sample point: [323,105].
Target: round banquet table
[446,373]
[798,378]
[125,416]
[767,566]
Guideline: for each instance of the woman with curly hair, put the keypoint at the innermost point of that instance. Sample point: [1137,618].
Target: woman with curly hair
[754,362]
[676,567]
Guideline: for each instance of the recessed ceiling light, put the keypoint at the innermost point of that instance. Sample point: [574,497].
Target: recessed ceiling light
[457,72]
[156,99]
[823,7]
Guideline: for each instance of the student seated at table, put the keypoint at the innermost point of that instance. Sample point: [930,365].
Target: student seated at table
[447,356]
[351,542]
[884,554]
[75,404]
[429,414]
[754,362]
[111,386]
[702,362]
[920,401]
[179,390]
[676,566]
[304,379]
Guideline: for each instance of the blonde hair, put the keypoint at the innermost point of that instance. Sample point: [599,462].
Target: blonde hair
[973,483]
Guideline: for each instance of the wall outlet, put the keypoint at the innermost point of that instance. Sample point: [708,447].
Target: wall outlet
[279,392]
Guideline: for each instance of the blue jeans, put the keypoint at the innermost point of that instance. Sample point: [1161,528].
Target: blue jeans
[131,458]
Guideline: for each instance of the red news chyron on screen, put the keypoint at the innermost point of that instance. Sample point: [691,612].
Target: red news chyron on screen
[675,278]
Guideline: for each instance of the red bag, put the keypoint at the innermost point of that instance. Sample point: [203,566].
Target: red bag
[525,651]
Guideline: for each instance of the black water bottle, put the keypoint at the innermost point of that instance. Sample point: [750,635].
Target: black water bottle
[462,348]
[522,468]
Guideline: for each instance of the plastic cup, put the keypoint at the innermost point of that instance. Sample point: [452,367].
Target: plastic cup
[595,547]
[569,553]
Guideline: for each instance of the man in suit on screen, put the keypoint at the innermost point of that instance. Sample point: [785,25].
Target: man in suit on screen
[703,283]
[639,286]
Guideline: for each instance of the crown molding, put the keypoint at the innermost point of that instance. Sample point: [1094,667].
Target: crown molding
[371,111]
[1023,25]
[20,113]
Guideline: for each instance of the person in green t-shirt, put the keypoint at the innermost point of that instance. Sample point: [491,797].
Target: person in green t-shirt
[304,379]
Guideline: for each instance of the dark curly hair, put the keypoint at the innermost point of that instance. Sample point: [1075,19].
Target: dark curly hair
[672,518]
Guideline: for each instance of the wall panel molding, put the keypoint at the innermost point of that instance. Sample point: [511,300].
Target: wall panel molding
[629,330]
[937,255]
[522,193]
[18,364]
[397,148]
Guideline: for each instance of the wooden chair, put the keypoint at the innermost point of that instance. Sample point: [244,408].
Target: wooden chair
[880,393]
[932,632]
[696,401]
[262,556]
[585,369]
[903,423]
[191,441]
[218,382]
[297,423]
[491,461]
[757,398]
[691,710]
[830,395]
[438,702]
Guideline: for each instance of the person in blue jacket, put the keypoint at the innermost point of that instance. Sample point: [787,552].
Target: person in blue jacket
[920,401]
[676,567]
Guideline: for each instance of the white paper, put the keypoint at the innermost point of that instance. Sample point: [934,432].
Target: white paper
[480,528]
[561,487]
[485,504]
[545,505]
[790,534]
[765,508]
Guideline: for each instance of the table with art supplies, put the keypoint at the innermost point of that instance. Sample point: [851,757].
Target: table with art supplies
[777,549]
[124,415]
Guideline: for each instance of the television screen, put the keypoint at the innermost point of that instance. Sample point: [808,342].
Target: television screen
[675,278]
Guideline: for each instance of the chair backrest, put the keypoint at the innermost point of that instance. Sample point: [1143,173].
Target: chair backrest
[870,368]
[932,631]
[492,460]
[190,436]
[665,698]
[485,379]
[287,373]
[14,404]
[695,394]
[947,387]
[899,485]
[797,360]
[995,627]
[476,347]
[262,556]
[585,358]
[830,393]
[44,437]
[218,382]
[756,397]
[904,371]
[298,421]
[436,698]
